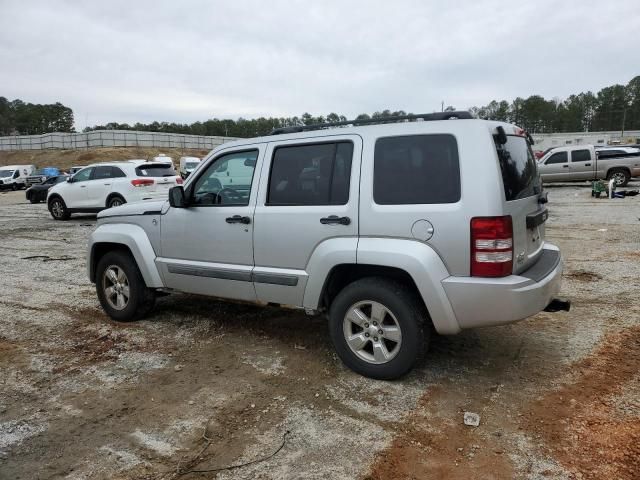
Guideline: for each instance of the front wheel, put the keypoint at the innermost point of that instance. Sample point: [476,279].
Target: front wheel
[58,209]
[620,176]
[121,289]
[376,326]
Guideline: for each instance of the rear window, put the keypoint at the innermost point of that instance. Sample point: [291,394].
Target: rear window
[416,169]
[519,168]
[156,170]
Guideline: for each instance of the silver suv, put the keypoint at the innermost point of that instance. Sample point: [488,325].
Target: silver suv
[388,228]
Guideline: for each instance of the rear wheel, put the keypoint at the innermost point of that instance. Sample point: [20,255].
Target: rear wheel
[121,289]
[115,201]
[14,187]
[620,176]
[58,209]
[376,326]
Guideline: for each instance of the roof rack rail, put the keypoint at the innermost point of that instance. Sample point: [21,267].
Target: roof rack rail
[457,115]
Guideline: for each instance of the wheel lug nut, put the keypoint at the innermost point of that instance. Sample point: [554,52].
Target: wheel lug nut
[375,339]
[366,334]
[380,332]
[375,324]
[366,325]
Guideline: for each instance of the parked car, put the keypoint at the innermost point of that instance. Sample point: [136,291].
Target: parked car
[107,185]
[584,162]
[14,177]
[38,193]
[188,165]
[41,175]
[162,158]
[387,228]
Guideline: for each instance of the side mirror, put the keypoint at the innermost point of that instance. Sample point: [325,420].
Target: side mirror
[177,198]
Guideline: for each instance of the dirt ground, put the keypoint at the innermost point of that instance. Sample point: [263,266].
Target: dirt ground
[203,384]
[65,159]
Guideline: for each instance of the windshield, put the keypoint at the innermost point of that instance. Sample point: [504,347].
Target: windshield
[156,170]
[5,173]
[192,164]
[519,168]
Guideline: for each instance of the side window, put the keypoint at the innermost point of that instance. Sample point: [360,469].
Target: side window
[580,156]
[316,174]
[102,173]
[559,157]
[16,174]
[83,175]
[227,181]
[416,169]
[117,173]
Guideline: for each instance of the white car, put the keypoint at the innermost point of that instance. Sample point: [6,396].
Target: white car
[107,185]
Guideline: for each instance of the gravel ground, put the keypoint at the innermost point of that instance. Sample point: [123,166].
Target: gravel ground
[204,384]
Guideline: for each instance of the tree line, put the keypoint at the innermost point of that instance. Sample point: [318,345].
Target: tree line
[20,118]
[613,108]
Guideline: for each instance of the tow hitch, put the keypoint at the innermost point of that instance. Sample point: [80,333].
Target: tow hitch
[557,305]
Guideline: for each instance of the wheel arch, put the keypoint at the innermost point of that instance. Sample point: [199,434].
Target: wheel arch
[131,238]
[113,195]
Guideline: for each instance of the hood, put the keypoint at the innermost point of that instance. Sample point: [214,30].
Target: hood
[146,207]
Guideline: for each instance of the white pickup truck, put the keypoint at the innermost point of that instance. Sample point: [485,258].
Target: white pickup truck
[584,162]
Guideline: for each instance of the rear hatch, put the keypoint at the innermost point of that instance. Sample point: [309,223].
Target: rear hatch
[522,188]
[163,174]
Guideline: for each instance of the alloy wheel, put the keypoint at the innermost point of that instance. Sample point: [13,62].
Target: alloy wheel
[115,285]
[372,332]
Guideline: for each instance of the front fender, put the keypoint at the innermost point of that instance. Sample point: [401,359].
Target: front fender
[425,267]
[136,240]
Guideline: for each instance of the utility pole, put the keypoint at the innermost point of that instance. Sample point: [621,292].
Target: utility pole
[442,106]
[624,117]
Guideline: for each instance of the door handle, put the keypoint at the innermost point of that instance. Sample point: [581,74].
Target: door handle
[239,219]
[107,184]
[335,220]
[83,186]
[565,166]
[587,164]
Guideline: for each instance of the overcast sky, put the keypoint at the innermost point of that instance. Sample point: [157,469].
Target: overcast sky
[183,61]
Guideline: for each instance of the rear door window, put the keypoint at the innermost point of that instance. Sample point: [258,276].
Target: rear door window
[416,169]
[519,168]
[580,156]
[316,174]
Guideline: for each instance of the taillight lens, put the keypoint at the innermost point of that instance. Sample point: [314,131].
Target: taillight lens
[142,182]
[491,246]
[179,180]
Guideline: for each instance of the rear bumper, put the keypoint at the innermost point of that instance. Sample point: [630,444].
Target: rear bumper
[139,196]
[481,302]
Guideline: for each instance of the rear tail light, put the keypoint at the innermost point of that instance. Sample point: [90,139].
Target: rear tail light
[142,182]
[491,246]
[179,180]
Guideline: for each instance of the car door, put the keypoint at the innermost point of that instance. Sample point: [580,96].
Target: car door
[207,248]
[555,168]
[582,164]
[308,205]
[75,193]
[100,185]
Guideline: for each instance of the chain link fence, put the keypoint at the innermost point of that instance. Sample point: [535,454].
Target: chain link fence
[109,138]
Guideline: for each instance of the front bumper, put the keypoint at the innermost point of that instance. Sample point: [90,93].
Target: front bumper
[482,302]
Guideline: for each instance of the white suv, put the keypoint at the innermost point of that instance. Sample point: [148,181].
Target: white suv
[389,229]
[107,185]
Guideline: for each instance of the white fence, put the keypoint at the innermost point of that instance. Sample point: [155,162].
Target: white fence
[109,138]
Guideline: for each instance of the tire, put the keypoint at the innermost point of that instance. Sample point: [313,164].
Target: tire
[115,201]
[14,187]
[116,274]
[33,199]
[58,209]
[401,308]
[620,175]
